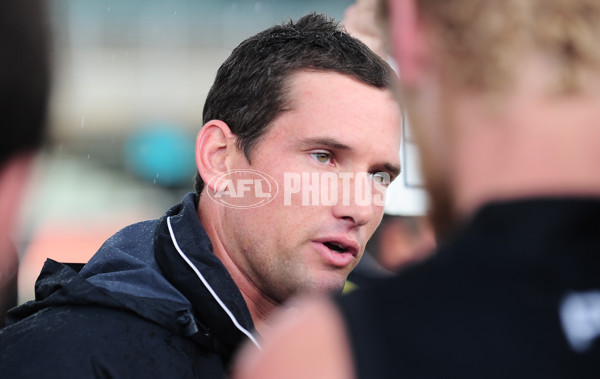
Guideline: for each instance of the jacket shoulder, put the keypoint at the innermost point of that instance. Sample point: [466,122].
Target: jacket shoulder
[89,341]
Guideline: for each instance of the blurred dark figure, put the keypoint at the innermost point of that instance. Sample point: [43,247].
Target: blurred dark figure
[503,97]
[398,243]
[24,85]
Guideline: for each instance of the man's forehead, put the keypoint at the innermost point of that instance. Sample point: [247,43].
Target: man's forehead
[308,91]
[299,80]
[337,111]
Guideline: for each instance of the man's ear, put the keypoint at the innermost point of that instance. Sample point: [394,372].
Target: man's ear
[409,43]
[214,144]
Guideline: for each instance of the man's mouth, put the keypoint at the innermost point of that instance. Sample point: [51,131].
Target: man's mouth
[338,251]
[340,245]
[336,247]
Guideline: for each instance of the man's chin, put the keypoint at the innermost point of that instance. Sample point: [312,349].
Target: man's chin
[329,286]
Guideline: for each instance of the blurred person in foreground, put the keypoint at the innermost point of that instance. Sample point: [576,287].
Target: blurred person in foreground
[24,86]
[175,297]
[504,99]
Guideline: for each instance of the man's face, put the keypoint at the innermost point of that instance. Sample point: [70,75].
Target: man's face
[337,127]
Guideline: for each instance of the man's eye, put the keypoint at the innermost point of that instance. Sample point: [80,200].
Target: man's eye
[322,157]
[382,178]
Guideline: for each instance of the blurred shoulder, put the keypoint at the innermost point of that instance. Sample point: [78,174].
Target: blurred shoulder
[307,339]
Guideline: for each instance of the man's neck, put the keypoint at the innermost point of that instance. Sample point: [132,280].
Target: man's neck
[258,303]
[537,146]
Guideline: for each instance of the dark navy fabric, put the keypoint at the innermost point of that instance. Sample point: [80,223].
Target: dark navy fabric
[490,302]
[136,309]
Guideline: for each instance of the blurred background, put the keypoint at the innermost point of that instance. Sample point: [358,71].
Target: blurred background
[130,78]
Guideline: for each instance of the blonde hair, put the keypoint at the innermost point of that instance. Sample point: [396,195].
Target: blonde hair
[483,40]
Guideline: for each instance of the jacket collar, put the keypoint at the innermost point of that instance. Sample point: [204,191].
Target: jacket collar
[184,254]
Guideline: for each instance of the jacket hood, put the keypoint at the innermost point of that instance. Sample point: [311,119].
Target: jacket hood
[151,268]
[59,284]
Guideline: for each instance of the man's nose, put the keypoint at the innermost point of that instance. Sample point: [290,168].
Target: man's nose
[355,200]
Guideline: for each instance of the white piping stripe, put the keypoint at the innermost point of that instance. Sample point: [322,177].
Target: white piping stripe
[212,292]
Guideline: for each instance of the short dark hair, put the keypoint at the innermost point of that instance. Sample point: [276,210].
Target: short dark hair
[24,76]
[249,90]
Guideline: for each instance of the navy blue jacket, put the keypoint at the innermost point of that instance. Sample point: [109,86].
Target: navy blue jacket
[153,302]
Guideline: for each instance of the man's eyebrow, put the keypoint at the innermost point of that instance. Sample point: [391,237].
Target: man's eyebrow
[324,141]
